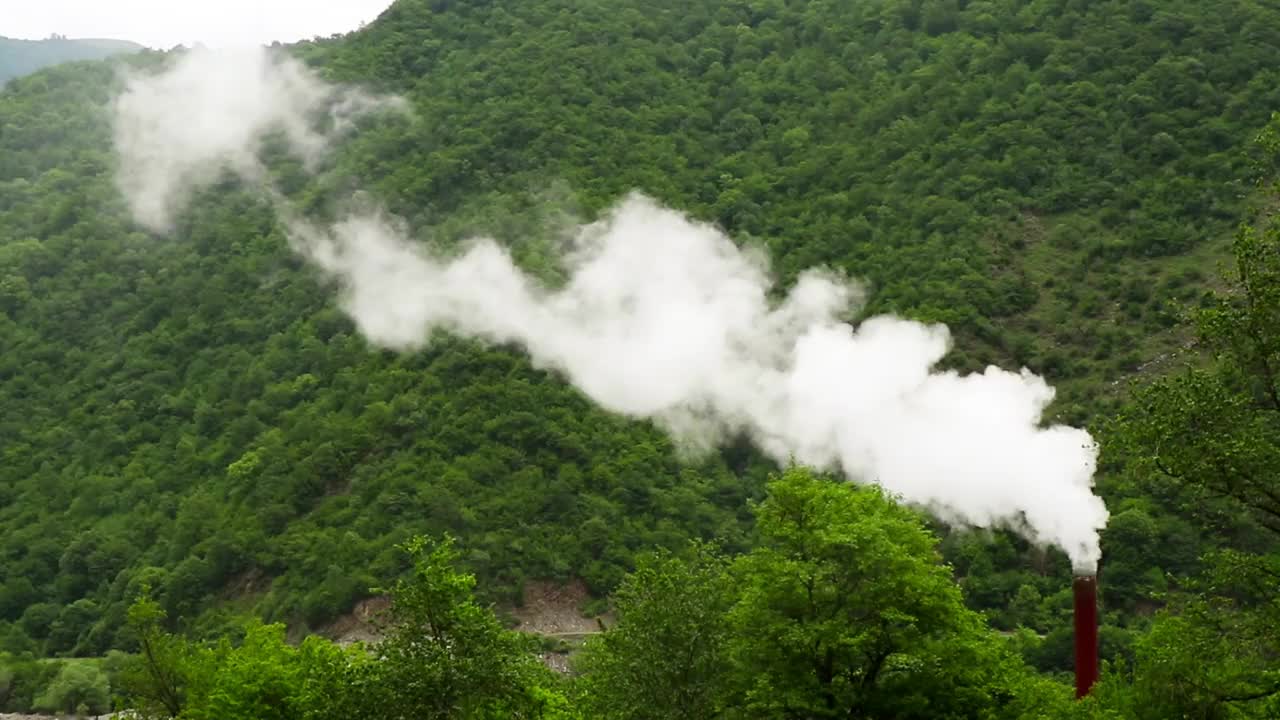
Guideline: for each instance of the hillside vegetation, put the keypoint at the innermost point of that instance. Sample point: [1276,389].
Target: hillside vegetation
[194,415]
[21,57]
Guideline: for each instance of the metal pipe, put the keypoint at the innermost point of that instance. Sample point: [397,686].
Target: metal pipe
[1085,591]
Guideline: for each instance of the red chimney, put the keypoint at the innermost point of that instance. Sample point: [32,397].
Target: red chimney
[1085,589]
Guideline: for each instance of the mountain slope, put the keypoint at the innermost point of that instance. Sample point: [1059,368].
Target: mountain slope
[918,146]
[20,57]
[194,413]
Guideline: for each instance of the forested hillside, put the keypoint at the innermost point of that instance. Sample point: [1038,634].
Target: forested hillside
[193,414]
[20,57]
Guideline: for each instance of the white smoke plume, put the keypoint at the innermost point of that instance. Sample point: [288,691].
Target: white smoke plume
[218,107]
[661,318]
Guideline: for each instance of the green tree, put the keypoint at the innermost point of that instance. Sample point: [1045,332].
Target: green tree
[259,678]
[846,610]
[665,658]
[265,678]
[445,656]
[155,682]
[24,680]
[1207,660]
[71,624]
[80,688]
[1211,438]
[1215,430]
[6,685]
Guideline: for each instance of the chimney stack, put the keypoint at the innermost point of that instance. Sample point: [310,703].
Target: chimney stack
[1085,590]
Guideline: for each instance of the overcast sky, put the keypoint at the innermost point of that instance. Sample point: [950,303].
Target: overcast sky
[165,23]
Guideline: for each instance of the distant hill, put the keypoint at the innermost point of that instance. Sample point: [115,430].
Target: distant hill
[19,57]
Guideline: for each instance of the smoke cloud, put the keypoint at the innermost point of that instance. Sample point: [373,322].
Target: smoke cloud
[211,111]
[661,317]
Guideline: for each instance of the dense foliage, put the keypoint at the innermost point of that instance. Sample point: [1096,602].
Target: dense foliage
[20,57]
[1205,439]
[193,414]
[843,610]
[444,656]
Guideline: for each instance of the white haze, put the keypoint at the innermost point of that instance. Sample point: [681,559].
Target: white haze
[662,318]
[179,130]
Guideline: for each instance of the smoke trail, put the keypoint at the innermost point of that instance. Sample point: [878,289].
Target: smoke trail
[210,111]
[661,317]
